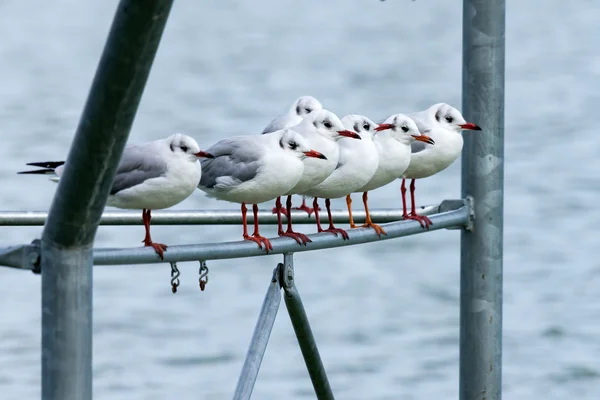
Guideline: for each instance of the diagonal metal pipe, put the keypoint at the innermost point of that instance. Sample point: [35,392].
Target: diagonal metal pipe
[67,240]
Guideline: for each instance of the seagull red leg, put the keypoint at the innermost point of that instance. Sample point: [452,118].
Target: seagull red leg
[333,229]
[278,209]
[297,236]
[368,222]
[147,238]
[245,224]
[413,213]
[404,212]
[256,234]
[317,209]
[306,208]
[158,247]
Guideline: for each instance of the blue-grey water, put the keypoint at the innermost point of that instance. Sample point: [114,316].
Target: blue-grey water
[385,315]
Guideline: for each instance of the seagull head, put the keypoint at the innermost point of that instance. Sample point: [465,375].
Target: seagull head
[305,105]
[296,144]
[326,124]
[403,129]
[450,118]
[360,124]
[185,146]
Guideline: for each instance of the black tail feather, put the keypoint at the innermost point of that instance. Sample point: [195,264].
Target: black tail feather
[38,171]
[47,164]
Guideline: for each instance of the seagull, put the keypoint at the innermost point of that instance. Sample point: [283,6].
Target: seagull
[444,124]
[255,169]
[150,176]
[301,108]
[393,140]
[322,129]
[356,166]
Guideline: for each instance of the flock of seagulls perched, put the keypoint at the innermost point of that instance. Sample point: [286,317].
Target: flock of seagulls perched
[309,152]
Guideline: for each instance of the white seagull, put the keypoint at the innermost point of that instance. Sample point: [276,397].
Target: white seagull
[150,176]
[393,140]
[255,169]
[322,129]
[303,106]
[356,166]
[443,123]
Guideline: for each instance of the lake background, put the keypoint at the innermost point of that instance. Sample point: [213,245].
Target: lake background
[385,315]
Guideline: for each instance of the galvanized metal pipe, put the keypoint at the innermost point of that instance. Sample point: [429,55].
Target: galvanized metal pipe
[211,217]
[304,334]
[454,218]
[218,251]
[66,248]
[483,180]
[260,338]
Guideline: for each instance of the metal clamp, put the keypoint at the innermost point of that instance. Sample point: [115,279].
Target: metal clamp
[22,256]
[287,271]
[452,205]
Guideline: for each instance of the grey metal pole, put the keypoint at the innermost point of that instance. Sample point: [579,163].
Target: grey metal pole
[483,181]
[260,338]
[306,340]
[66,249]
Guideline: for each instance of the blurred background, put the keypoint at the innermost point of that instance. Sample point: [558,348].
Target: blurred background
[385,315]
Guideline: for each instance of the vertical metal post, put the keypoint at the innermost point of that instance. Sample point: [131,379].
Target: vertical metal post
[483,181]
[260,338]
[306,340]
[66,248]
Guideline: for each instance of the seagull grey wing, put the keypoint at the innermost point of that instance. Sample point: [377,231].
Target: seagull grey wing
[136,167]
[420,121]
[417,147]
[423,127]
[282,122]
[235,161]
[277,124]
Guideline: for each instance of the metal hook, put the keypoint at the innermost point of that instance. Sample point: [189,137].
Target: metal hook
[174,277]
[203,272]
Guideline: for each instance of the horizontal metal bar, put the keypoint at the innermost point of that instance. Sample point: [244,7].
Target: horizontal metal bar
[219,251]
[210,217]
[458,215]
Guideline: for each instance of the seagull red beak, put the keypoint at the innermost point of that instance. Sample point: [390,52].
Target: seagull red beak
[204,154]
[470,126]
[383,127]
[315,154]
[423,138]
[349,134]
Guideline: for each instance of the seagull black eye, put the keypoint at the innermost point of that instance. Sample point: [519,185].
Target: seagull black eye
[184,148]
[366,127]
[449,119]
[308,110]
[293,145]
[405,128]
[327,124]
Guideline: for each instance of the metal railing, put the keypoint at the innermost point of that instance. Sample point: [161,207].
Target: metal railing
[449,214]
[64,256]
